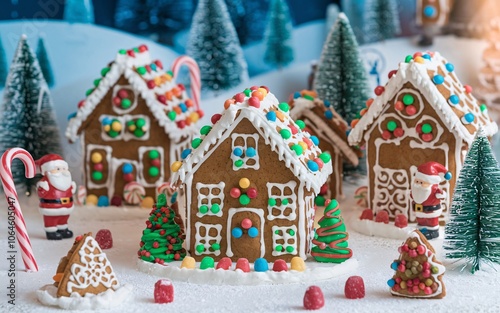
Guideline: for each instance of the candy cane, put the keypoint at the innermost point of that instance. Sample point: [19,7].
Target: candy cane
[164,188]
[194,75]
[13,201]
[360,194]
[81,195]
[133,192]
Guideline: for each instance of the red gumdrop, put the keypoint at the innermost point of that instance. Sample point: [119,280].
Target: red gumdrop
[239,97]
[419,128]
[81,103]
[159,64]
[427,137]
[116,200]
[242,264]
[181,124]
[392,73]
[254,88]
[319,162]
[128,177]
[123,93]
[293,129]
[224,264]
[398,132]
[161,98]
[417,54]
[399,106]
[468,89]
[104,239]
[215,118]
[386,135]
[411,110]
[246,223]
[117,101]
[367,214]
[354,288]
[379,90]
[156,162]
[252,193]
[324,189]
[254,102]
[143,48]
[200,113]
[401,221]
[280,266]
[181,87]
[164,291]
[313,298]
[98,167]
[382,217]
[235,192]
[151,84]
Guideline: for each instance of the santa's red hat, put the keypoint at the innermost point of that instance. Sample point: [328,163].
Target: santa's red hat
[432,172]
[50,161]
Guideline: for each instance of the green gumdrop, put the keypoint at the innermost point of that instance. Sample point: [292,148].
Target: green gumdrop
[196,142]
[244,199]
[172,115]
[284,202]
[89,91]
[200,248]
[284,106]
[207,262]
[113,134]
[279,248]
[141,70]
[203,209]
[126,103]
[238,163]
[97,81]
[205,130]
[247,92]
[291,232]
[325,157]
[301,124]
[215,246]
[215,208]
[391,126]
[408,99]
[289,249]
[408,58]
[122,51]
[426,128]
[298,149]
[154,171]
[319,201]
[153,154]
[105,71]
[271,202]
[285,133]
[140,122]
[138,132]
[97,175]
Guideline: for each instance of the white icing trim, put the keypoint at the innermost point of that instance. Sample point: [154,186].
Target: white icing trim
[231,213]
[109,151]
[207,238]
[140,168]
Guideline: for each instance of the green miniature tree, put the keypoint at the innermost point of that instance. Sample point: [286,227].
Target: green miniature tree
[43,60]
[278,36]
[3,66]
[474,227]
[26,112]
[216,47]
[162,239]
[331,236]
[341,78]
[79,11]
[381,20]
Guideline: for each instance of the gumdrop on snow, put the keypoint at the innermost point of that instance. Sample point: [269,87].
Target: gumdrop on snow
[104,239]
[354,288]
[164,291]
[313,298]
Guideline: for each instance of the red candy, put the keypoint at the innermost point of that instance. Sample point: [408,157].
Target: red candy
[239,97]
[399,106]
[293,129]
[427,137]
[313,298]
[468,89]
[280,266]
[254,88]
[421,249]
[379,90]
[392,73]
[411,110]
[386,135]
[128,177]
[242,264]
[224,264]
[164,291]
[122,93]
[235,192]
[151,84]
[398,132]
[117,101]
[98,167]
[215,118]
[252,193]
[143,48]
[156,162]
[81,103]
[382,217]
[104,239]
[161,98]
[367,214]
[354,288]
[254,102]
[116,200]
[401,221]
[246,223]
[324,189]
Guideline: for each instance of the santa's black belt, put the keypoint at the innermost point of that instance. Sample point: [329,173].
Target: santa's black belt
[58,201]
[424,208]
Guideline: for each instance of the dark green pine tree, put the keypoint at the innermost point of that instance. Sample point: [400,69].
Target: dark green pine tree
[381,20]
[43,60]
[3,66]
[341,77]
[278,36]
[26,112]
[473,231]
[79,11]
[216,47]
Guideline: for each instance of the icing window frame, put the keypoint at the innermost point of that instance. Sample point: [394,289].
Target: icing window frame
[276,201]
[110,169]
[207,238]
[133,105]
[141,169]
[207,199]
[243,157]
[285,234]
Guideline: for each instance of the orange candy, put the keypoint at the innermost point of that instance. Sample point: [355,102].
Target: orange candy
[258,95]
[157,80]
[177,110]
[227,103]
[176,92]
[263,91]
[354,123]
[369,102]
[168,95]
[362,112]
[419,60]
[189,103]
[280,116]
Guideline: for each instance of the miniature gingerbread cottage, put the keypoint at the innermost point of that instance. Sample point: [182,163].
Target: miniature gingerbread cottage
[330,128]
[422,114]
[250,180]
[132,125]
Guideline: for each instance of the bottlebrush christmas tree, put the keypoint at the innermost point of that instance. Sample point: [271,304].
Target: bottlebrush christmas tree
[216,48]
[331,237]
[381,20]
[43,60]
[278,36]
[473,231]
[79,11]
[27,114]
[162,239]
[3,66]
[341,78]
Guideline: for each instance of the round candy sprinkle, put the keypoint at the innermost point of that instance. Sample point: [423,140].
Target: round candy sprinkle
[468,89]
[392,73]
[254,102]
[172,115]
[438,79]
[258,95]
[253,232]
[238,163]
[261,265]
[453,100]
[419,60]
[399,106]
[252,193]
[426,128]
[127,168]
[154,171]
[99,167]
[156,162]
[244,199]
[408,58]
[284,106]
[246,223]
[386,135]
[408,99]
[285,133]
[429,11]
[326,103]
[411,110]
[325,157]
[203,209]
[239,97]
[301,124]
[244,183]
[329,114]
[297,148]
[313,166]
[251,152]
[271,115]
[96,157]
[271,202]
[196,142]
[215,208]
[468,118]
[205,130]
[315,140]
[296,95]
[185,153]
[399,132]
[97,175]
[391,125]
[235,192]
[238,152]
[379,90]
[247,92]
[289,249]
[175,166]
[116,126]
[483,108]
[215,118]
[450,67]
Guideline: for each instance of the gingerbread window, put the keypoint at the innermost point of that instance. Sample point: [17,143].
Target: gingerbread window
[284,240]
[207,238]
[111,127]
[123,99]
[210,199]
[151,170]
[282,201]
[136,127]
[244,154]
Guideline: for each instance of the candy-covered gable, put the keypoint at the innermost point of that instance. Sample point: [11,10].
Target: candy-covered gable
[250,181]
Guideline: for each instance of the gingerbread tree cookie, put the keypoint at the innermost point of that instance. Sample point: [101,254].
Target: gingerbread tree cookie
[418,273]
[162,239]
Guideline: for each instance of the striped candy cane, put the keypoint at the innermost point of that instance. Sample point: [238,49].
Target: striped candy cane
[13,200]
[194,75]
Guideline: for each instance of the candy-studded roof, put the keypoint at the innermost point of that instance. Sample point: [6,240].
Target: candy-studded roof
[167,100]
[436,80]
[325,120]
[294,146]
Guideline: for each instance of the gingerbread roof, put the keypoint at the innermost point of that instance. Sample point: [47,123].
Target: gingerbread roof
[436,80]
[325,119]
[167,101]
[297,148]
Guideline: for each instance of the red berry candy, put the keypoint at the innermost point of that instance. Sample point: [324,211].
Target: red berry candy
[386,135]
[280,266]
[104,239]
[117,101]
[161,98]
[156,162]
[401,221]
[123,93]
[143,48]
[215,118]
[392,73]
[367,214]
[398,132]
[324,189]
[411,110]
[156,244]
[399,105]
[382,217]
[252,193]
[254,88]
[81,103]
[379,90]
[239,97]
[181,124]
[354,288]
[116,200]
[468,89]
[313,298]
[98,167]
[151,84]
[427,137]
[254,102]
[242,264]
[225,264]
[164,291]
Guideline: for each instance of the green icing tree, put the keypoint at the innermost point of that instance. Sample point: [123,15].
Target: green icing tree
[341,78]
[79,11]
[278,36]
[474,227]
[381,20]
[331,236]
[43,60]
[3,66]
[26,112]
[162,239]
[216,47]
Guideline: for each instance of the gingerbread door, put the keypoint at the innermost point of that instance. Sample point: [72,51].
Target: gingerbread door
[245,237]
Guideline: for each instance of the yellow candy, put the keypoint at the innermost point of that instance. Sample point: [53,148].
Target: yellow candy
[107,128]
[263,91]
[419,60]
[91,200]
[96,157]
[157,81]
[147,203]
[116,126]
[303,145]
[194,117]
[244,183]
[132,128]
[188,263]
[175,166]
[280,116]
[297,264]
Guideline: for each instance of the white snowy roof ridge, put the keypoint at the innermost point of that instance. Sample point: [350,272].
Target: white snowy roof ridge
[416,74]
[230,118]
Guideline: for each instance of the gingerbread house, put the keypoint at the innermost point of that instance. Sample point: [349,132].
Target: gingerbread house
[132,125]
[433,12]
[250,181]
[331,129]
[422,114]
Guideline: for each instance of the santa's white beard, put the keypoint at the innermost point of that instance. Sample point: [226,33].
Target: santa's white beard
[61,180]
[419,193]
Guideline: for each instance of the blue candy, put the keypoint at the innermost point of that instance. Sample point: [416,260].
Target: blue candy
[261,265]
[253,232]
[71,115]
[237,232]
[448,176]
[438,79]
[327,103]
[450,67]
[313,166]
[394,265]
[296,95]
[429,11]
[329,114]
[185,153]
[106,121]
[391,282]
[237,152]
[127,168]
[453,100]
[271,115]
[315,140]
[251,152]
[469,117]
[183,107]
[103,201]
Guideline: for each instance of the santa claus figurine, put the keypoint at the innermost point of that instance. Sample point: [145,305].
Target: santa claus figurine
[55,190]
[427,197]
